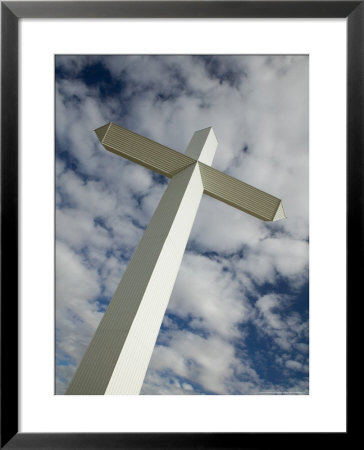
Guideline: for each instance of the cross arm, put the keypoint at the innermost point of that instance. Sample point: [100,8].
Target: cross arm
[240,195]
[168,162]
[142,150]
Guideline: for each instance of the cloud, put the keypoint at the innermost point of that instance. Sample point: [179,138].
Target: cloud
[77,314]
[275,319]
[294,365]
[281,256]
[202,290]
[208,362]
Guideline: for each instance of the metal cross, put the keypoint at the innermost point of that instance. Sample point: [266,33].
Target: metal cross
[119,353]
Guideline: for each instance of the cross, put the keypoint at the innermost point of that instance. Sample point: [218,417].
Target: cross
[119,353]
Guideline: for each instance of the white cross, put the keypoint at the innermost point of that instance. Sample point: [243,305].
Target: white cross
[118,356]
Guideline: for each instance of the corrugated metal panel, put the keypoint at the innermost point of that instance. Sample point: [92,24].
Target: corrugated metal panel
[168,162]
[159,254]
[239,194]
[119,353]
[142,150]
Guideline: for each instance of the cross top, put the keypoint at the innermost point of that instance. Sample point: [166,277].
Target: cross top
[202,146]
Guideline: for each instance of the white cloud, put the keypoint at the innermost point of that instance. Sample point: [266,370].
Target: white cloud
[282,256]
[284,327]
[208,362]
[294,365]
[77,315]
[203,291]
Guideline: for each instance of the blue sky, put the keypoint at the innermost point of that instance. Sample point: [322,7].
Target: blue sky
[237,320]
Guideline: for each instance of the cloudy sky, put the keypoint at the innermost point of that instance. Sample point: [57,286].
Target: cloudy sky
[237,320]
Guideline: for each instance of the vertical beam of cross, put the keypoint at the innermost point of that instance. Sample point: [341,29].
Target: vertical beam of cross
[118,356]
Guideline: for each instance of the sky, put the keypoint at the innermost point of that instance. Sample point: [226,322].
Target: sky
[237,322]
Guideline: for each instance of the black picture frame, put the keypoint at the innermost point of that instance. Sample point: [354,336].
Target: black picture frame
[11,12]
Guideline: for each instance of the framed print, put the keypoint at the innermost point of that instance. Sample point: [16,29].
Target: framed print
[80,70]
[194,334]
